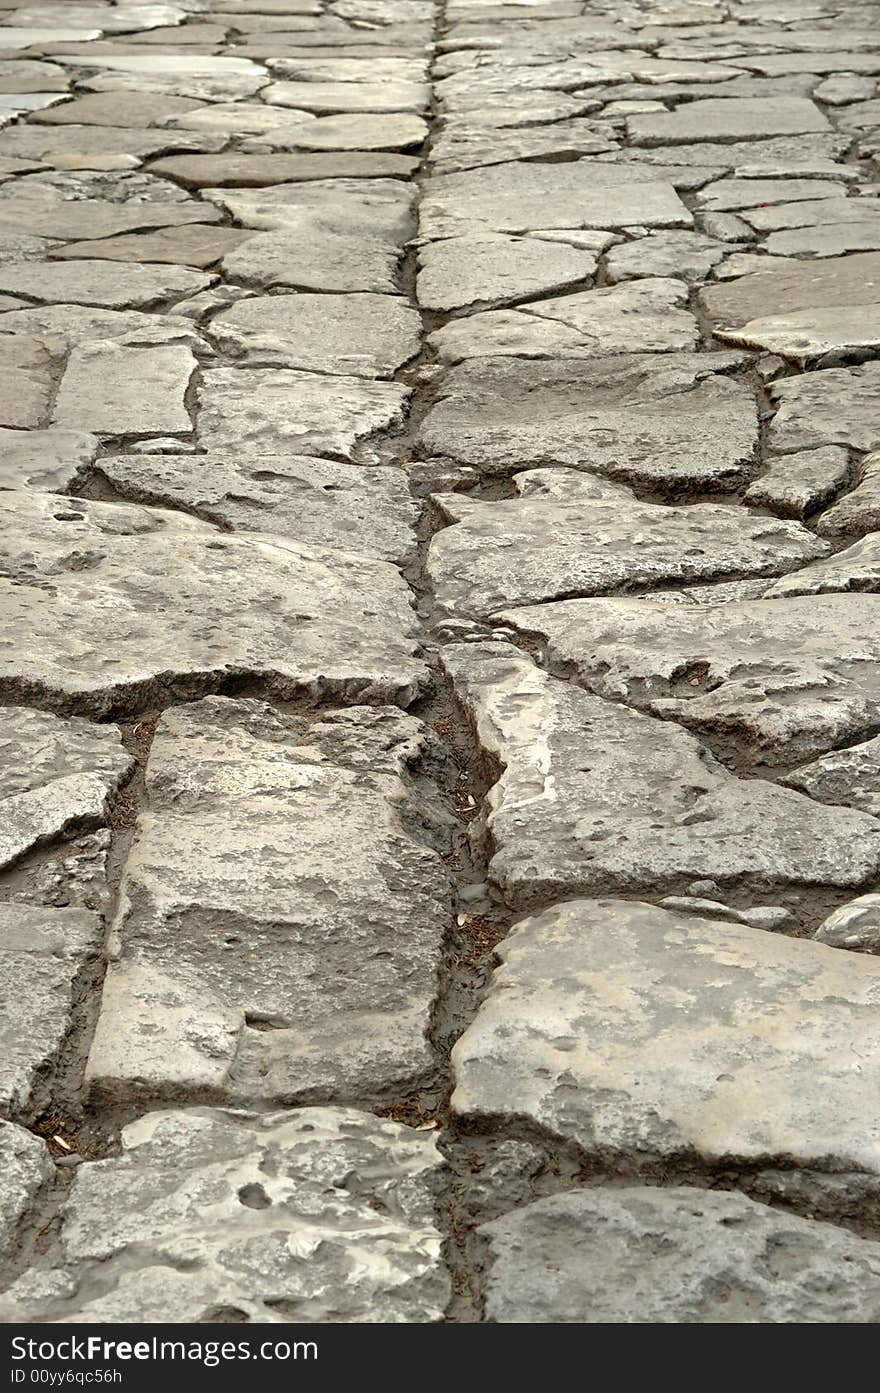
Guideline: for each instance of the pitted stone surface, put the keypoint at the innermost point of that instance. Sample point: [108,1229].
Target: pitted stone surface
[850,776]
[24,1168]
[837,407]
[315,974]
[358,335]
[490,269]
[350,1193]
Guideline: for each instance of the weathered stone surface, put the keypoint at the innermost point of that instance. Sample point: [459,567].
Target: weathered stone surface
[779,157]
[24,1168]
[813,338]
[635,1032]
[790,679]
[493,270]
[112,388]
[674,1256]
[726,118]
[687,255]
[361,132]
[55,777]
[390,95]
[813,212]
[213,171]
[522,196]
[832,239]
[784,287]
[358,335]
[63,327]
[859,511]
[840,406]
[576,535]
[25,381]
[44,459]
[314,977]
[855,925]
[800,483]
[137,109]
[665,421]
[735,194]
[238,120]
[351,1237]
[88,147]
[43,953]
[125,19]
[279,410]
[101,283]
[850,776]
[43,211]
[643,316]
[122,603]
[596,799]
[195,245]
[469,146]
[321,502]
[857,567]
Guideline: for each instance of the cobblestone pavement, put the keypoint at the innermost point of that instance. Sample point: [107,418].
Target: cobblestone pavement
[440,660]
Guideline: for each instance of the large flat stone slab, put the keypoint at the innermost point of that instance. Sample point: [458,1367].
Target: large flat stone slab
[126,606]
[350,1236]
[641,1034]
[280,928]
[126,388]
[359,335]
[194,245]
[727,119]
[25,381]
[102,283]
[43,211]
[327,98]
[850,776]
[571,534]
[255,170]
[676,1255]
[783,287]
[689,256]
[48,958]
[491,270]
[789,679]
[798,484]
[44,459]
[24,1168]
[858,512]
[666,421]
[840,406]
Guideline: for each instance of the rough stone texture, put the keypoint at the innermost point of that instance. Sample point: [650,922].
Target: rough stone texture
[213,171]
[24,1168]
[634,1255]
[193,245]
[25,381]
[42,954]
[838,407]
[595,798]
[784,287]
[351,1236]
[790,679]
[126,389]
[101,283]
[859,511]
[135,602]
[726,118]
[313,977]
[358,335]
[857,567]
[573,534]
[855,925]
[662,421]
[687,255]
[55,776]
[44,459]
[850,776]
[798,484]
[635,1032]
[812,338]
[493,270]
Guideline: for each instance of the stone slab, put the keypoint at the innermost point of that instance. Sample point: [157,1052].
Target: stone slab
[490,269]
[103,284]
[25,1168]
[194,245]
[840,406]
[356,334]
[116,389]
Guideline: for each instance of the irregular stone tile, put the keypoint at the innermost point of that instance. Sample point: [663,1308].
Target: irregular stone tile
[196,245]
[523,196]
[689,256]
[211,86]
[857,567]
[315,259]
[781,64]
[55,777]
[725,227]
[76,145]
[840,406]
[61,327]
[123,603]
[43,953]
[587,537]
[137,109]
[20,246]
[795,285]
[362,132]
[320,502]
[23,75]
[779,157]
[124,19]
[664,421]
[674,1255]
[349,207]
[844,88]
[643,316]
[351,1237]
[307,980]
[810,212]
[331,98]
[181,67]
[736,194]
[631,1031]
[831,240]
[470,146]
[203,171]
[21,37]
[44,459]
[25,380]
[800,483]
[24,1168]
[594,798]
[859,511]
[238,119]
[813,338]
[850,776]
[788,679]
[493,270]
[280,410]
[44,212]
[101,283]
[362,335]
[113,389]
[861,116]
[726,118]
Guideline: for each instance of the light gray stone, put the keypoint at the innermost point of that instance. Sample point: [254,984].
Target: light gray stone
[589,542]
[727,119]
[493,270]
[44,953]
[594,798]
[789,679]
[798,484]
[114,388]
[42,210]
[637,1033]
[687,255]
[378,96]
[316,259]
[137,109]
[779,157]
[44,459]
[834,239]
[178,1224]
[782,287]
[211,86]
[24,1168]
[840,406]
[634,1255]
[256,170]
[25,380]
[850,776]
[101,283]
[460,146]
[728,195]
[313,977]
[321,502]
[358,335]
[123,603]
[810,212]
[88,147]
[125,19]
[63,327]
[360,132]
[642,316]
[666,421]
[857,512]
[857,568]
[196,245]
[813,338]
[55,777]
[724,227]
[855,926]
[235,120]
